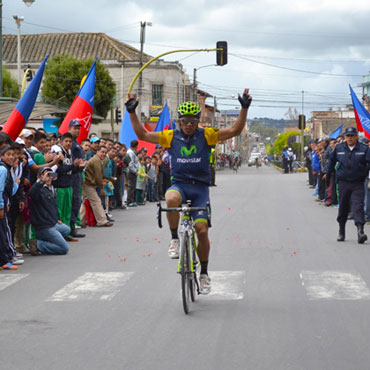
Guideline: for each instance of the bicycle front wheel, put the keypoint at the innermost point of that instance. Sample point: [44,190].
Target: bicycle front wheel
[185,272]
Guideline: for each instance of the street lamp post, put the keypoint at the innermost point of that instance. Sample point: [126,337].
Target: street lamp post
[18,21]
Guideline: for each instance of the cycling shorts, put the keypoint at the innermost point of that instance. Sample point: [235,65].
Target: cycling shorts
[198,194]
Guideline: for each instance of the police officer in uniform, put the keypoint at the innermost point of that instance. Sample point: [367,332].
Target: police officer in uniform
[353,160]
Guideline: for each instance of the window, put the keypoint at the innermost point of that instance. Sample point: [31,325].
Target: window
[157,94]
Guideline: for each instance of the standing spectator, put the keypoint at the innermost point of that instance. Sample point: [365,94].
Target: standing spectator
[63,184]
[94,180]
[152,177]
[94,145]
[50,231]
[85,145]
[7,189]
[212,166]
[140,184]
[285,158]
[133,169]
[76,177]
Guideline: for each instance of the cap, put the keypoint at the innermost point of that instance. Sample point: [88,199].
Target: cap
[350,131]
[94,139]
[364,140]
[74,122]
[44,169]
[20,141]
[26,133]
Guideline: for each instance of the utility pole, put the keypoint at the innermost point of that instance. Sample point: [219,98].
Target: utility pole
[302,129]
[214,123]
[195,85]
[142,41]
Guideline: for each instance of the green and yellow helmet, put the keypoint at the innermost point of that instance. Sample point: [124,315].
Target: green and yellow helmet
[189,108]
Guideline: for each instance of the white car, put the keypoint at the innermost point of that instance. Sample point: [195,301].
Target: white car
[255,159]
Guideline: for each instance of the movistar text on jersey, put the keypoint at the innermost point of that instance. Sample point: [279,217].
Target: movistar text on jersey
[188,160]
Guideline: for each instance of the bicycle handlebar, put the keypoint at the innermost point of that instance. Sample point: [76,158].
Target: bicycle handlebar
[185,208]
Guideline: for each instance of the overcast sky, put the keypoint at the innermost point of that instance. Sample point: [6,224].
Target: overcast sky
[277,48]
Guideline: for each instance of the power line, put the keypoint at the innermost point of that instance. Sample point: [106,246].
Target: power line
[294,69]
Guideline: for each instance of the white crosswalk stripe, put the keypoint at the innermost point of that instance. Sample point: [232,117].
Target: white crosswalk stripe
[7,280]
[227,285]
[334,285]
[92,286]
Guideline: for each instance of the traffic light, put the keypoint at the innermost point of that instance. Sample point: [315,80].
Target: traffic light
[118,115]
[301,121]
[29,75]
[221,55]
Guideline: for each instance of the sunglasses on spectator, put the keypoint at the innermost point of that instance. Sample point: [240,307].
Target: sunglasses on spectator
[187,120]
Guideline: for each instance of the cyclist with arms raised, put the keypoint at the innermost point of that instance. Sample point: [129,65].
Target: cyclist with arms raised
[189,149]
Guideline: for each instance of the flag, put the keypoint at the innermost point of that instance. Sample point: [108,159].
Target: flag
[128,134]
[336,132]
[361,114]
[19,117]
[173,125]
[82,106]
[164,120]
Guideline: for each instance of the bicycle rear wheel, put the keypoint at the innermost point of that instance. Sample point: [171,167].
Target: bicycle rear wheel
[185,272]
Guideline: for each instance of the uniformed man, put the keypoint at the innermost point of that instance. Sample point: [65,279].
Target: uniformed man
[353,160]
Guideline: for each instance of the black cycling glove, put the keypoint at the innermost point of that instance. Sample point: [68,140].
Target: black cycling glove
[131,105]
[245,101]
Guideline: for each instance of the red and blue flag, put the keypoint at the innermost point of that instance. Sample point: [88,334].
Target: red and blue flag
[361,114]
[82,106]
[21,113]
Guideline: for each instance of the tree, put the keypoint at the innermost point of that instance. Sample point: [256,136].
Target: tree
[282,141]
[10,85]
[62,79]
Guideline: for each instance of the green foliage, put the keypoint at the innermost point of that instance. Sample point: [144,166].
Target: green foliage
[282,141]
[10,85]
[62,79]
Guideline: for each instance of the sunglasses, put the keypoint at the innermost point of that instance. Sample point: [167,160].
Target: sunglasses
[187,120]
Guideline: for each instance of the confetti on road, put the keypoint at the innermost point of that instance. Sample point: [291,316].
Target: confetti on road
[229,209]
[288,228]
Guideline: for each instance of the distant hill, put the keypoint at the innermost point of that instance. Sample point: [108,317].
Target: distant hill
[278,124]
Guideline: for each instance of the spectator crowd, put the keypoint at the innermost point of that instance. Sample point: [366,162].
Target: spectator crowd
[52,187]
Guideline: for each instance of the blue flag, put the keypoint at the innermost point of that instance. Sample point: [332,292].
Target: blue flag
[127,133]
[361,114]
[164,120]
[336,132]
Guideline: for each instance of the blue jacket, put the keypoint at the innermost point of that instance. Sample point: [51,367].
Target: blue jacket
[315,160]
[353,166]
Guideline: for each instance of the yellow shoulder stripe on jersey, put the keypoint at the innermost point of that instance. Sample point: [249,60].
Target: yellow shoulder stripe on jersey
[211,135]
[165,138]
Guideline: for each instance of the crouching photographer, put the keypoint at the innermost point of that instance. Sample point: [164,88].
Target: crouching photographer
[50,232]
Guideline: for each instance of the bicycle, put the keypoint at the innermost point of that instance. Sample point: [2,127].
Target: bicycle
[188,259]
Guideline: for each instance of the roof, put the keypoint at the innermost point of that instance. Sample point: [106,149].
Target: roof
[40,109]
[79,45]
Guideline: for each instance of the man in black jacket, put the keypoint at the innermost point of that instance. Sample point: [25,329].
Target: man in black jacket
[49,230]
[353,160]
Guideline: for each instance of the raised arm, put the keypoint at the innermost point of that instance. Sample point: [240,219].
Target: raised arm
[237,127]
[142,134]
